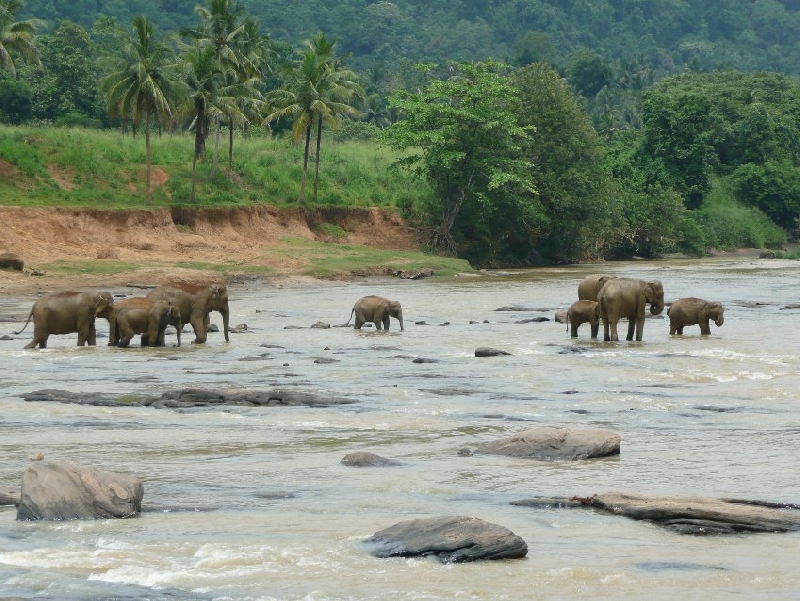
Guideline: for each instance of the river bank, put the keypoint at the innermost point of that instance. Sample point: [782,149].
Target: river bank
[63,248]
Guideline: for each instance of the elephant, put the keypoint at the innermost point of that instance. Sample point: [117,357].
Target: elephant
[589,286]
[66,312]
[693,311]
[377,310]
[584,311]
[627,297]
[143,316]
[195,302]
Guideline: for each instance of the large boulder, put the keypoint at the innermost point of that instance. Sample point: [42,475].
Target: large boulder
[686,515]
[59,491]
[550,444]
[451,539]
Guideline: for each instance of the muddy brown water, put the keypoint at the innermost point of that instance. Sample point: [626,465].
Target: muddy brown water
[713,416]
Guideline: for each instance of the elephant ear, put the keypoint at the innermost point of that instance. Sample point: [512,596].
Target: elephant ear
[649,292]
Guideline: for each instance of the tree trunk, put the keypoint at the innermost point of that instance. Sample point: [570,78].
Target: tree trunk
[200,127]
[316,165]
[147,153]
[302,197]
[216,147]
[230,143]
[194,178]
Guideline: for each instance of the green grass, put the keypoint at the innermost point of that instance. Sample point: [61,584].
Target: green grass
[329,260]
[76,167]
[94,266]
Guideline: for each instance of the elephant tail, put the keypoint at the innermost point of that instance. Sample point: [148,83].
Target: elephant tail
[567,321]
[26,323]
[352,311]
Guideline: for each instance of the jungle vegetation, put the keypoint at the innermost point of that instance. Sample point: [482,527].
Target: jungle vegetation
[519,132]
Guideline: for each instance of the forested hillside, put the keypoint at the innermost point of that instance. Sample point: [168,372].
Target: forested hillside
[752,35]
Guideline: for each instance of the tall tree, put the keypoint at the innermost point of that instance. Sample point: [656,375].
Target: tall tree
[316,89]
[236,41]
[16,37]
[338,88]
[461,135]
[142,87]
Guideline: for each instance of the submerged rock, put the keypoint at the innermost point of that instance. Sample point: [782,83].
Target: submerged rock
[451,539]
[686,515]
[486,351]
[366,459]
[551,444]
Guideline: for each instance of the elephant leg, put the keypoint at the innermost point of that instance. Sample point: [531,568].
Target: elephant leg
[595,329]
[705,328]
[377,323]
[607,329]
[199,330]
[92,338]
[573,332]
[632,328]
[386,322]
[83,336]
[680,330]
[34,342]
[672,329]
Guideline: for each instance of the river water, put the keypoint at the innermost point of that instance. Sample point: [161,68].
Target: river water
[714,416]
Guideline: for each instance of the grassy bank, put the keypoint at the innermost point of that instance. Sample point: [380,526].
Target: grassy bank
[105,169]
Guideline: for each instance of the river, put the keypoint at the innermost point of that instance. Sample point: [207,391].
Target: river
[717,416]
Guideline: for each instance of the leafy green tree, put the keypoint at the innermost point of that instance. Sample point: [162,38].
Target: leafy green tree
[17,38]
[589,73]
[568,166]
[143,87]
[66,87]
[15,101]
[461,136]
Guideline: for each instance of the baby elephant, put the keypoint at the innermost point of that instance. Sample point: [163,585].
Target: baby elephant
[143,316]
[376,309]
[584,311]
[692,311]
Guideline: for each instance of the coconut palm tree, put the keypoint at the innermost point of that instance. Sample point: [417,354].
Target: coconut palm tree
[236,41]
[16,37]
[315,90]
[141,87]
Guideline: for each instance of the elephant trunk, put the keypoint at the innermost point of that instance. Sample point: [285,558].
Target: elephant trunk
[656,307]
[224,312]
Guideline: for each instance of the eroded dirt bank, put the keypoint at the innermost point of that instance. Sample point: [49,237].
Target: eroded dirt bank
[156,239]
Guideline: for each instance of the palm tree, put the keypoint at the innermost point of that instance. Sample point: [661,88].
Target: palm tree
[16,37]
[337,86]
[316,89]
[203,78]
[141,88]
[235,39]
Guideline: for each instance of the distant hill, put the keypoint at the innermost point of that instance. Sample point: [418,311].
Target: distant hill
[668,35]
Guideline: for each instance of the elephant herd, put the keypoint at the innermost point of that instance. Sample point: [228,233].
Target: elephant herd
[601,297]
[173,304]
[608,298]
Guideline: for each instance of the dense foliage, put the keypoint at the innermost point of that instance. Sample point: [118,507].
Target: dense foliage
[612,128]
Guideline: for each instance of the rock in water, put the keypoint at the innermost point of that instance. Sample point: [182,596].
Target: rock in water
[59,491]
[452,539]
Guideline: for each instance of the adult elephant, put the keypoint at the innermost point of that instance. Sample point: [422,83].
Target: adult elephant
[140,315]
[67,312]
[589,286]
[628,297]
[195,302]
[692,311]
[376,309]
[584,311]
